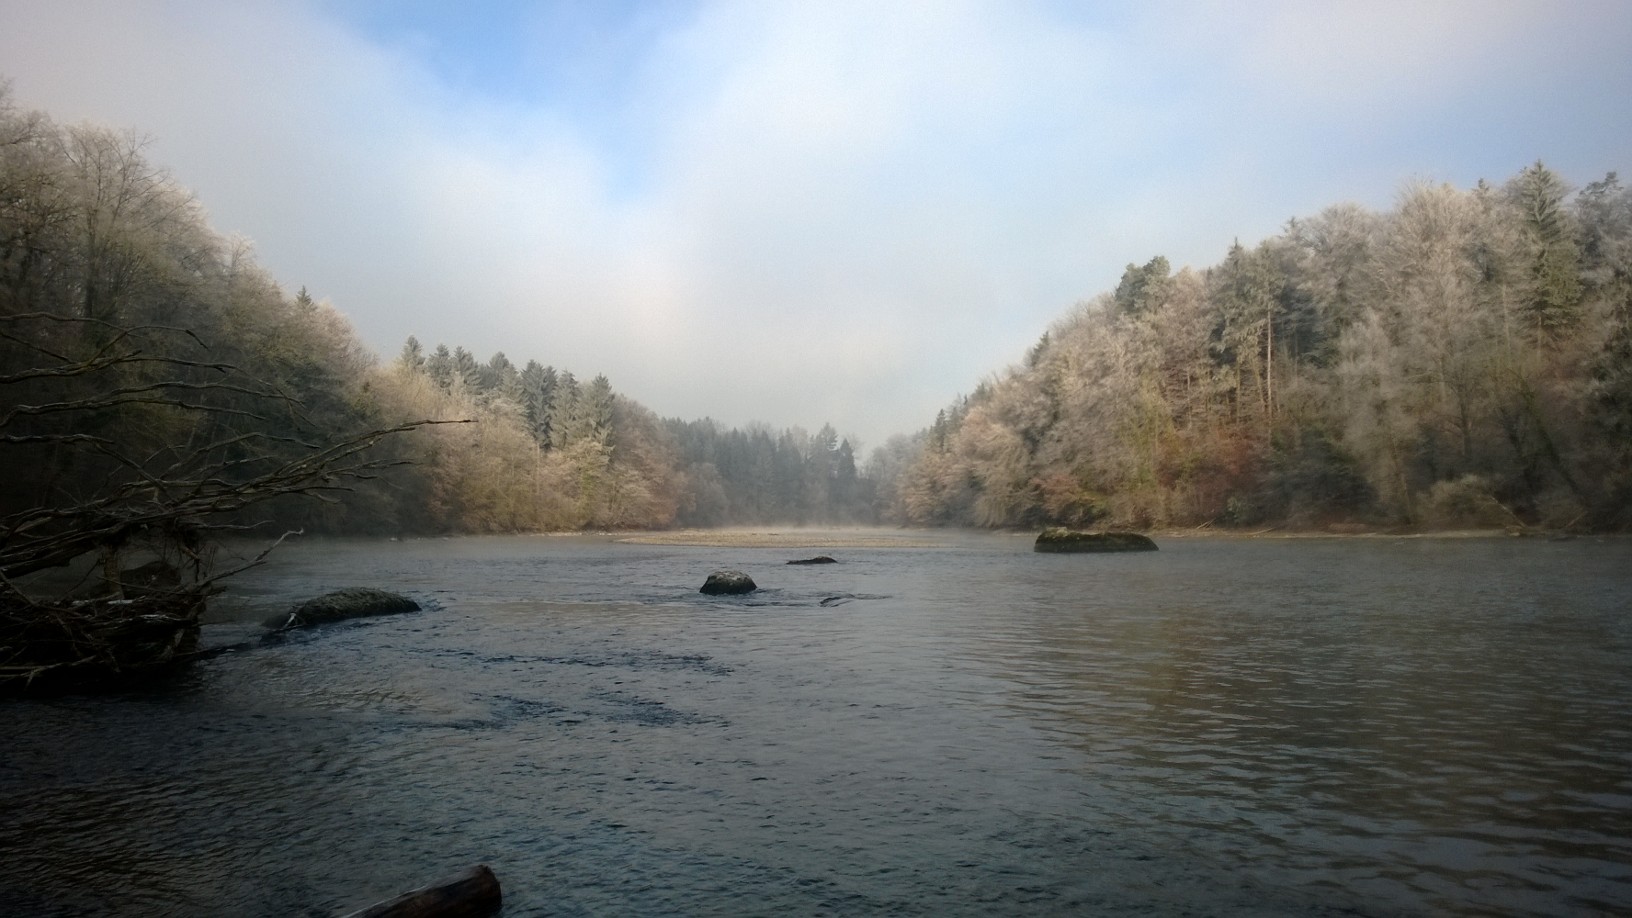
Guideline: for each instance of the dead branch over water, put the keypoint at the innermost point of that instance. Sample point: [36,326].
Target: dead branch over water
[126,496]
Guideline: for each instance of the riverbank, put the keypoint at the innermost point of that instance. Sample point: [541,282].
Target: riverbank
[1360,532]
[792,538]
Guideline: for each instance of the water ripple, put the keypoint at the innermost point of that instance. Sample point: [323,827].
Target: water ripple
[1252,728]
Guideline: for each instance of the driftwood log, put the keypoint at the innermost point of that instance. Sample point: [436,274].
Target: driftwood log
[470,893]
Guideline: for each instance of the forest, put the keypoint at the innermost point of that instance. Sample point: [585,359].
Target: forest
[1462,360]
[135,341]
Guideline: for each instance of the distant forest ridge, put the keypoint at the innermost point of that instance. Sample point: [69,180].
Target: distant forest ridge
[565,455]
[1463,360]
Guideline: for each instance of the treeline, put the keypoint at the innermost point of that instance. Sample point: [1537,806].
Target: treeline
[760,476]
[172,343]
[1465,359]
[550,453]
[546,452]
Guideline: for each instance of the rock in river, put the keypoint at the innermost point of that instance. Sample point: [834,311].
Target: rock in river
[728,582]
[352,602]
[819,559]
[1072,540]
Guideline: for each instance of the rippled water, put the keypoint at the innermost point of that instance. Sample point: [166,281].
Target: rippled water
[1303,727]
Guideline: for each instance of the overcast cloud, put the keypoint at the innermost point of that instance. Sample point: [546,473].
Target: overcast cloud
[802,212]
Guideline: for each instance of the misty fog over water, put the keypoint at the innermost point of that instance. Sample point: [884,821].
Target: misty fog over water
[1298,727]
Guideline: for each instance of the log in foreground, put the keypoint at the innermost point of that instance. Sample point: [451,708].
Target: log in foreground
[1072,540]
[470,893]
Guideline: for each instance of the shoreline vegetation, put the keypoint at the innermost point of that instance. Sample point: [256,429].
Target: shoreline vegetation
[782,538]
[1462,361]
[795,537]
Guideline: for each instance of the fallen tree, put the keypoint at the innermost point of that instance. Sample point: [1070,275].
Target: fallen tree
[93,496]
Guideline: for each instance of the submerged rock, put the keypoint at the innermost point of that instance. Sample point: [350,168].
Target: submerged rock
[1072,540]
[728,583]
[819,559]
[352,602]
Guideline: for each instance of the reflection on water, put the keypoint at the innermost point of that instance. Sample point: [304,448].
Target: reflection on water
[1424,727]
[1224,727]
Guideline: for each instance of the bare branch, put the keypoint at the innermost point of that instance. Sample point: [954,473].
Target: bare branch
[103,362]
[117,518]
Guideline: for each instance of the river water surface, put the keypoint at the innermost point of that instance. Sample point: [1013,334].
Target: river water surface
[1252,727]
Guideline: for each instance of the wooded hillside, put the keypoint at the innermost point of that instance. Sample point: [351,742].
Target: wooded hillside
[1465,359]
[171,342]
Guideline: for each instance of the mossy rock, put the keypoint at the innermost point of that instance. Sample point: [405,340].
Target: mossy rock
[352,602]
[1076,541]
[728,583]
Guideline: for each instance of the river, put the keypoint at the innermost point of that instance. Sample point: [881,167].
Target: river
[1363,726]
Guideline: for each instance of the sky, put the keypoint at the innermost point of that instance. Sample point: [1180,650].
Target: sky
[805,212]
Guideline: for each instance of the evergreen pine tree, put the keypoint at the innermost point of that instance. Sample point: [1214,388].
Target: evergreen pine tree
[1554,301]
[566,411]
[538,385]
[440,367]
[413,356]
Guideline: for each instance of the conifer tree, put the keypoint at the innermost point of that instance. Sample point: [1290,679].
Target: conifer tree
[467,373]
[413,355]
[537,385]
[596,410]
[439,366]
[566,411]
[1554,301]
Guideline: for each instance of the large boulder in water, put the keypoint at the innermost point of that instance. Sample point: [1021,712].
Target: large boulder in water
[1073,540]
[728,583]
[352,602]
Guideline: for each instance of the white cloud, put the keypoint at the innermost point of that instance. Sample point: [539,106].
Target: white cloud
[800,212]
